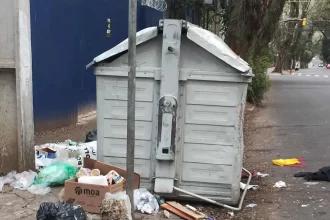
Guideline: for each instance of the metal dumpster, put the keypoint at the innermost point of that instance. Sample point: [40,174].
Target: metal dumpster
[190,97]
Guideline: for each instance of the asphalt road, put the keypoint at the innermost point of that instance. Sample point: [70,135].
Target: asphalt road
[299,111]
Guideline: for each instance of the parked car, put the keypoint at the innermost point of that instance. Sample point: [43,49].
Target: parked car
[321,65]
[328,66]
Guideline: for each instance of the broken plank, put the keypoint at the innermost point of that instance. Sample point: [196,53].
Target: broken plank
[176,211]
[187,211]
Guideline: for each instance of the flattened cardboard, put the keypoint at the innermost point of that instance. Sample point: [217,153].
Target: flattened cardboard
[90,196]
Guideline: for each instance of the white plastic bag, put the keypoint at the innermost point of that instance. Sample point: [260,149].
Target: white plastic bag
[145,202]
[116,206]
[24,180]
[8,179]
[39,189]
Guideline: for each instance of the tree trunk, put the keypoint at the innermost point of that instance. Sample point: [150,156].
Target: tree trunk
[252,25]
[279,64]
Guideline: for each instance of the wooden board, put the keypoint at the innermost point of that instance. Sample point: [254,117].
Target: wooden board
[185,210]
[176,211]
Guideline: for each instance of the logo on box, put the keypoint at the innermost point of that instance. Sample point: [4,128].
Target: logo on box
[89,192]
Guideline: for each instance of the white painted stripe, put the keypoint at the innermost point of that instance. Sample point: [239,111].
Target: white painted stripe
[317,75]
[308,75]
[326,76]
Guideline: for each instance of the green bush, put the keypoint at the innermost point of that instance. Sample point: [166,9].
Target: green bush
[261,82]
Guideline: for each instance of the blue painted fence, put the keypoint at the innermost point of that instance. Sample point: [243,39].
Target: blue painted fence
[66,35]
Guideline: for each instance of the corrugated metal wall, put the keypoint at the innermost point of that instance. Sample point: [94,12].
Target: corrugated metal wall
[66,35]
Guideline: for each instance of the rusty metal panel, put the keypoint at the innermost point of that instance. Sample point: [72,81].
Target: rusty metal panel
[8,122]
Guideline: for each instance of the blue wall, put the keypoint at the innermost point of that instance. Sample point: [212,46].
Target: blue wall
[67,35]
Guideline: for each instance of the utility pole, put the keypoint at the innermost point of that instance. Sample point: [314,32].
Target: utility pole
[131,101]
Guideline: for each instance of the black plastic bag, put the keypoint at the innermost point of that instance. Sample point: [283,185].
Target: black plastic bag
[91,136]
[51,211]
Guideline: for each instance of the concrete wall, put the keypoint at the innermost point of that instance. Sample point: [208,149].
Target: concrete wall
[8,104]
[16,110]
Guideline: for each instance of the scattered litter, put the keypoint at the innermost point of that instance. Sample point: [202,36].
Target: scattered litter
[210,218]
[303,206]
[252,205]
[292,162]
[116,206]
[262,174]
[311,183]
[183,211]
[8,179]
[68,151]
[195,210]
[322,175]
[243,186]
[231,214]
[166,214]
[61,196]
[245,175]
[39,189]
[52,211]
[91,136]
[280,184]
[145,202]
[56,174]
[95,180]
[24,180]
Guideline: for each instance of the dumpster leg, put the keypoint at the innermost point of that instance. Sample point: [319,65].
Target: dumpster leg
[217,203]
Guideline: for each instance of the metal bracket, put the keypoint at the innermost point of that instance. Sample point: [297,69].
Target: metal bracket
[166,128]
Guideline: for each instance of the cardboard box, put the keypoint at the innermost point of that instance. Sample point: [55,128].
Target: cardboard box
[90,196]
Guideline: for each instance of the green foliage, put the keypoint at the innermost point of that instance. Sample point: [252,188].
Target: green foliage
[261,82]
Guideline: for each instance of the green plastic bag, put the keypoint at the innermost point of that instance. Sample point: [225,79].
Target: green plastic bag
[56,174]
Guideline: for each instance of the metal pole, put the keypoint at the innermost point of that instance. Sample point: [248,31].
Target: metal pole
[131,101]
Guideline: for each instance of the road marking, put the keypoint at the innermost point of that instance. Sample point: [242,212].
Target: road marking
[308,75]
[326,76]
[299,74]
[317,75]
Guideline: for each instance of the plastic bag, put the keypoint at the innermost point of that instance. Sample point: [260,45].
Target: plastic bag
[39,189]
[116,206]
[56,174]
[8,179]
[91,136]
[145,202]
[51,211]
[24,180]
[293,162]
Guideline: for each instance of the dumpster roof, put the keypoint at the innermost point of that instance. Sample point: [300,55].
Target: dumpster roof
[205,39]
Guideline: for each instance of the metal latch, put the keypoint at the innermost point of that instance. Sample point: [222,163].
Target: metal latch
[166,128]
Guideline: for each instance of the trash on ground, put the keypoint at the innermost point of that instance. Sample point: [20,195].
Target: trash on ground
[91,136]
[24,180]
[210,218]
[39,189]
[243,186]
[56,174]
[252,205]
[67,151]
[159,200]
[245,175]
[262,174]
[116,206]
[176,211]
[311,183]
[8,179]
[166,214]
[77,193]
[292,162]
[231,214]
[179,209]
[280,184]
[145,202]
[52,211]
[322,175]
[195,210]
[303,206]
